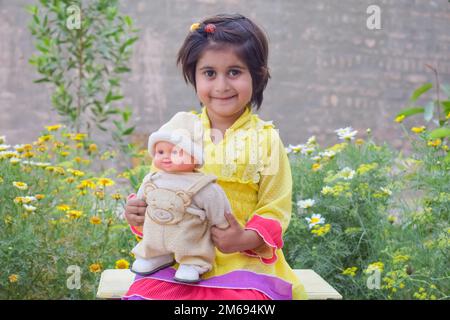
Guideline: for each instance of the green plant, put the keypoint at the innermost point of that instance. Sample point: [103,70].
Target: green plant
[57,216]
[437,110]
[83,51]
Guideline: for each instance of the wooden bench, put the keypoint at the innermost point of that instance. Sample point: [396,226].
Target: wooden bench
[114,283]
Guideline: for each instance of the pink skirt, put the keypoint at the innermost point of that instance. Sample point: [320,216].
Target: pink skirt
[153,289]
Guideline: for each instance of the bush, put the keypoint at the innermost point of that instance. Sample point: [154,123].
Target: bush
[59,220]
[373,224]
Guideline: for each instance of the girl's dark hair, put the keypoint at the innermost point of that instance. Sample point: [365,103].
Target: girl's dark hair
[232,30]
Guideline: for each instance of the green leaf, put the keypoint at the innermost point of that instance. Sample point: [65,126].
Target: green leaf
[410,111]
[446,105]
[419,91]
[128,20]
[440,133]
[122,69]
[32,9]
[447,158]
[128,131]
[429,110]
[42,80]
[127,43]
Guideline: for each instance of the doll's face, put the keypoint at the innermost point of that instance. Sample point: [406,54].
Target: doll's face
[171,158]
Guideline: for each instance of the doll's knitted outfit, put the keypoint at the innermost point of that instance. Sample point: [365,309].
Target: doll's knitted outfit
[181,208]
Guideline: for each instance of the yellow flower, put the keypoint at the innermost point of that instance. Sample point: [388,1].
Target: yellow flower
[28,154]
[45,138]
[100,194]
[364,168]
[434,143]
[375,266]
[316,167]
[63,207]
[359,142]
[350,271]
[79,136]
[88,183]
[418,129]
[64,153]
[74,214]
[8,219]
[76,173]
[95,220]
[70,179]
[39,196]
[105,182]
[13,278]
[20,185]
[122,264]
[124,175]
[116,196]
[93,148]
[194,26]
[54,127]
[401,258]
[448,116]
[321,230]
[95,267]
[400,118]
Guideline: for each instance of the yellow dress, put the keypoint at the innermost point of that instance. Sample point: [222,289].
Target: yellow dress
[254,171]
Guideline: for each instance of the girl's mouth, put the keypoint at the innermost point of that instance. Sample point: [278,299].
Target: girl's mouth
[224,99]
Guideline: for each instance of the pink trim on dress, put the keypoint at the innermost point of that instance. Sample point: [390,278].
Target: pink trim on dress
[270,231]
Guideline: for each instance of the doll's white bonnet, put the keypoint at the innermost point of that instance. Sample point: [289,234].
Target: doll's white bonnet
[184,130]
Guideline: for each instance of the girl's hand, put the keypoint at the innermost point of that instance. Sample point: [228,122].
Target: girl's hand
[135,211]
[235,238]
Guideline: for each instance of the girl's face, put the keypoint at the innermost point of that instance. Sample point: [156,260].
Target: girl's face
[223,83]
[171,158]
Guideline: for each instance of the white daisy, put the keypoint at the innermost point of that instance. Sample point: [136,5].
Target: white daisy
[326,190]
[346,133]
[347,173]
[315,220]
[311,141]
[29,208]
[305,204]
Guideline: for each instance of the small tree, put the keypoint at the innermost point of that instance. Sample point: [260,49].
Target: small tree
[84,49]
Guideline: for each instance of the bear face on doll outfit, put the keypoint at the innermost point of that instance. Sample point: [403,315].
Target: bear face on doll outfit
[165,206]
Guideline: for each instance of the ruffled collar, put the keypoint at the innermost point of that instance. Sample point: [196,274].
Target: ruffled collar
[242,120]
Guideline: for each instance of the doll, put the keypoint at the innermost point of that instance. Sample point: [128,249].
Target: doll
[182,203]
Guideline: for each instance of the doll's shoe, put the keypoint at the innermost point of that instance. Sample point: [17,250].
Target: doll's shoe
[144,267]
[187,274]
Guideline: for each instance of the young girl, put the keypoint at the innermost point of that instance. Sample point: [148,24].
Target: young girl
[225,58]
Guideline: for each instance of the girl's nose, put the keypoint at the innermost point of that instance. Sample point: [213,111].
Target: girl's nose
[222,84]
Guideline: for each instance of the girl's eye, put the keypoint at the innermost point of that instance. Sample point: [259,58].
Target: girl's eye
[209,73]
[234,72]
[160,151]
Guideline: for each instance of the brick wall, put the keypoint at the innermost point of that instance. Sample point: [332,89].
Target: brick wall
[328,69]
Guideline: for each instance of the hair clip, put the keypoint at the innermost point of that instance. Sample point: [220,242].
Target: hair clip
[210,28]
[195,26]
